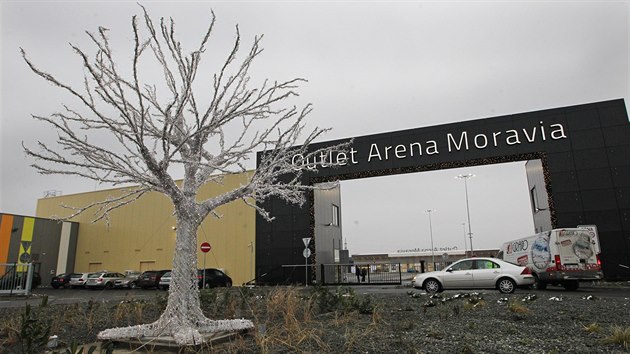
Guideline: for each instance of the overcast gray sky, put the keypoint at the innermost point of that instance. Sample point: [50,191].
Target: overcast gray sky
[372,67]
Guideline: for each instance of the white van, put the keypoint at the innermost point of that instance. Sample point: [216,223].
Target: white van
[558,257]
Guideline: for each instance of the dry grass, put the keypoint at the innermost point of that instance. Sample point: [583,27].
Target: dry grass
[9,332]
[593,328]
[296,320]
[286,321]
[619,335]
[517,307]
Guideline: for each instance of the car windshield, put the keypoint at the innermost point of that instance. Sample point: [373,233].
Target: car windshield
[166,275]
[94,275]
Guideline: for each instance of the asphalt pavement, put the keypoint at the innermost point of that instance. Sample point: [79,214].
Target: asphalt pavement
[69,296]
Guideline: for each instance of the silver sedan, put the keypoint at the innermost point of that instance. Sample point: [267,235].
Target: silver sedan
[475,273]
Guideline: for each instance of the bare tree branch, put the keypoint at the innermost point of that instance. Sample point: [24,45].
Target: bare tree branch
[157,123]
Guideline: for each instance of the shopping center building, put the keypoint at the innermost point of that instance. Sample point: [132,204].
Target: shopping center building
[578,171]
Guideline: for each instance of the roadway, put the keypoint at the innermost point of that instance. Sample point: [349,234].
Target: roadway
[69,296]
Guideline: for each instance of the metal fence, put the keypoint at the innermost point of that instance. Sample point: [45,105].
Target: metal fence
[16,278]
[361,274]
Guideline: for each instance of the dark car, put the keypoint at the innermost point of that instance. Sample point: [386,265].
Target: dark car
[150,278]
[213,278]
[62,280]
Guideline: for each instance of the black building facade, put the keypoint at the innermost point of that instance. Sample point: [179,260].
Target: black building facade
[584,151]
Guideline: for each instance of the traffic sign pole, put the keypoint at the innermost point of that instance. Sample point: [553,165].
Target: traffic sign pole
[306,254]
[205,248]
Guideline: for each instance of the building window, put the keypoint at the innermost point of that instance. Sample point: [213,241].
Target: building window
[335,215]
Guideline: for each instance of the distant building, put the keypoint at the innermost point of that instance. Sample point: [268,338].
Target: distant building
[49,244]
[420,261]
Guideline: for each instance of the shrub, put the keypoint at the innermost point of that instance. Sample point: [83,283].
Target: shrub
[343,299]
[593,328]
[620,335]
[517,307]
[34,332]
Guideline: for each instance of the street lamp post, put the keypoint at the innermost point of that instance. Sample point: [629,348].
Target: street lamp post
[431,234]
[465,178]
[464,226]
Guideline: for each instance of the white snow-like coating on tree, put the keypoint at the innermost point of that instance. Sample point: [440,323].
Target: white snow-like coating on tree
[182,335]
[157,125]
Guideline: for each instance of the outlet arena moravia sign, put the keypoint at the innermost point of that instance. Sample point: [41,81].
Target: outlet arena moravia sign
[450,143]
[584,151]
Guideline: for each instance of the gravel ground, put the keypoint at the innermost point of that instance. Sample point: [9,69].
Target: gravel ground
[292,320]
[495,323]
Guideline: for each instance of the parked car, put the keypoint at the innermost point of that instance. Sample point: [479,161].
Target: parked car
[475,273]
[77,280]
[150,278]
[129,282]
[165,281]
[61,280]
[103,280]
[132,274]
[214,278]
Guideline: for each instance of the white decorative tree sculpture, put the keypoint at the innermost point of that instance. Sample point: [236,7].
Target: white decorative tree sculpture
[164,126]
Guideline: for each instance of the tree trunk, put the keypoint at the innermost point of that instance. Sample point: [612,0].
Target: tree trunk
[182,319]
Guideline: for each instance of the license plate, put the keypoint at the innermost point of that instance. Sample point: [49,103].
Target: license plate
[572,266]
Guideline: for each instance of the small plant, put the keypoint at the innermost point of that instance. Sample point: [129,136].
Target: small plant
[517,307]
[343,299]
[474,303]
[593,328]
[434,333]
[229,304]
[9,330]
[34,332]
[456,310]
[620,335]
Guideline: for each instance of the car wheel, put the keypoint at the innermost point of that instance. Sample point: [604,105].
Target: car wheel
[109,285]
[538,284]
[506,285]
[55,286]
[228,284]
[132,285]
[432,286]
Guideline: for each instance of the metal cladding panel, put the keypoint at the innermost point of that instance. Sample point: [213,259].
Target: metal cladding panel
[37,240]
[141,235]
[585,151]
[6,227]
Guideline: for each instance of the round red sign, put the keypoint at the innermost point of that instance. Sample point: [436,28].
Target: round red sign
[205,247]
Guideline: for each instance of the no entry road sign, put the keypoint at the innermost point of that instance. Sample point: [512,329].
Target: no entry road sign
[205,247]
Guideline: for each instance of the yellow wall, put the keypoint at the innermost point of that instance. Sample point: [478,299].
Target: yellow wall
[140,235]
